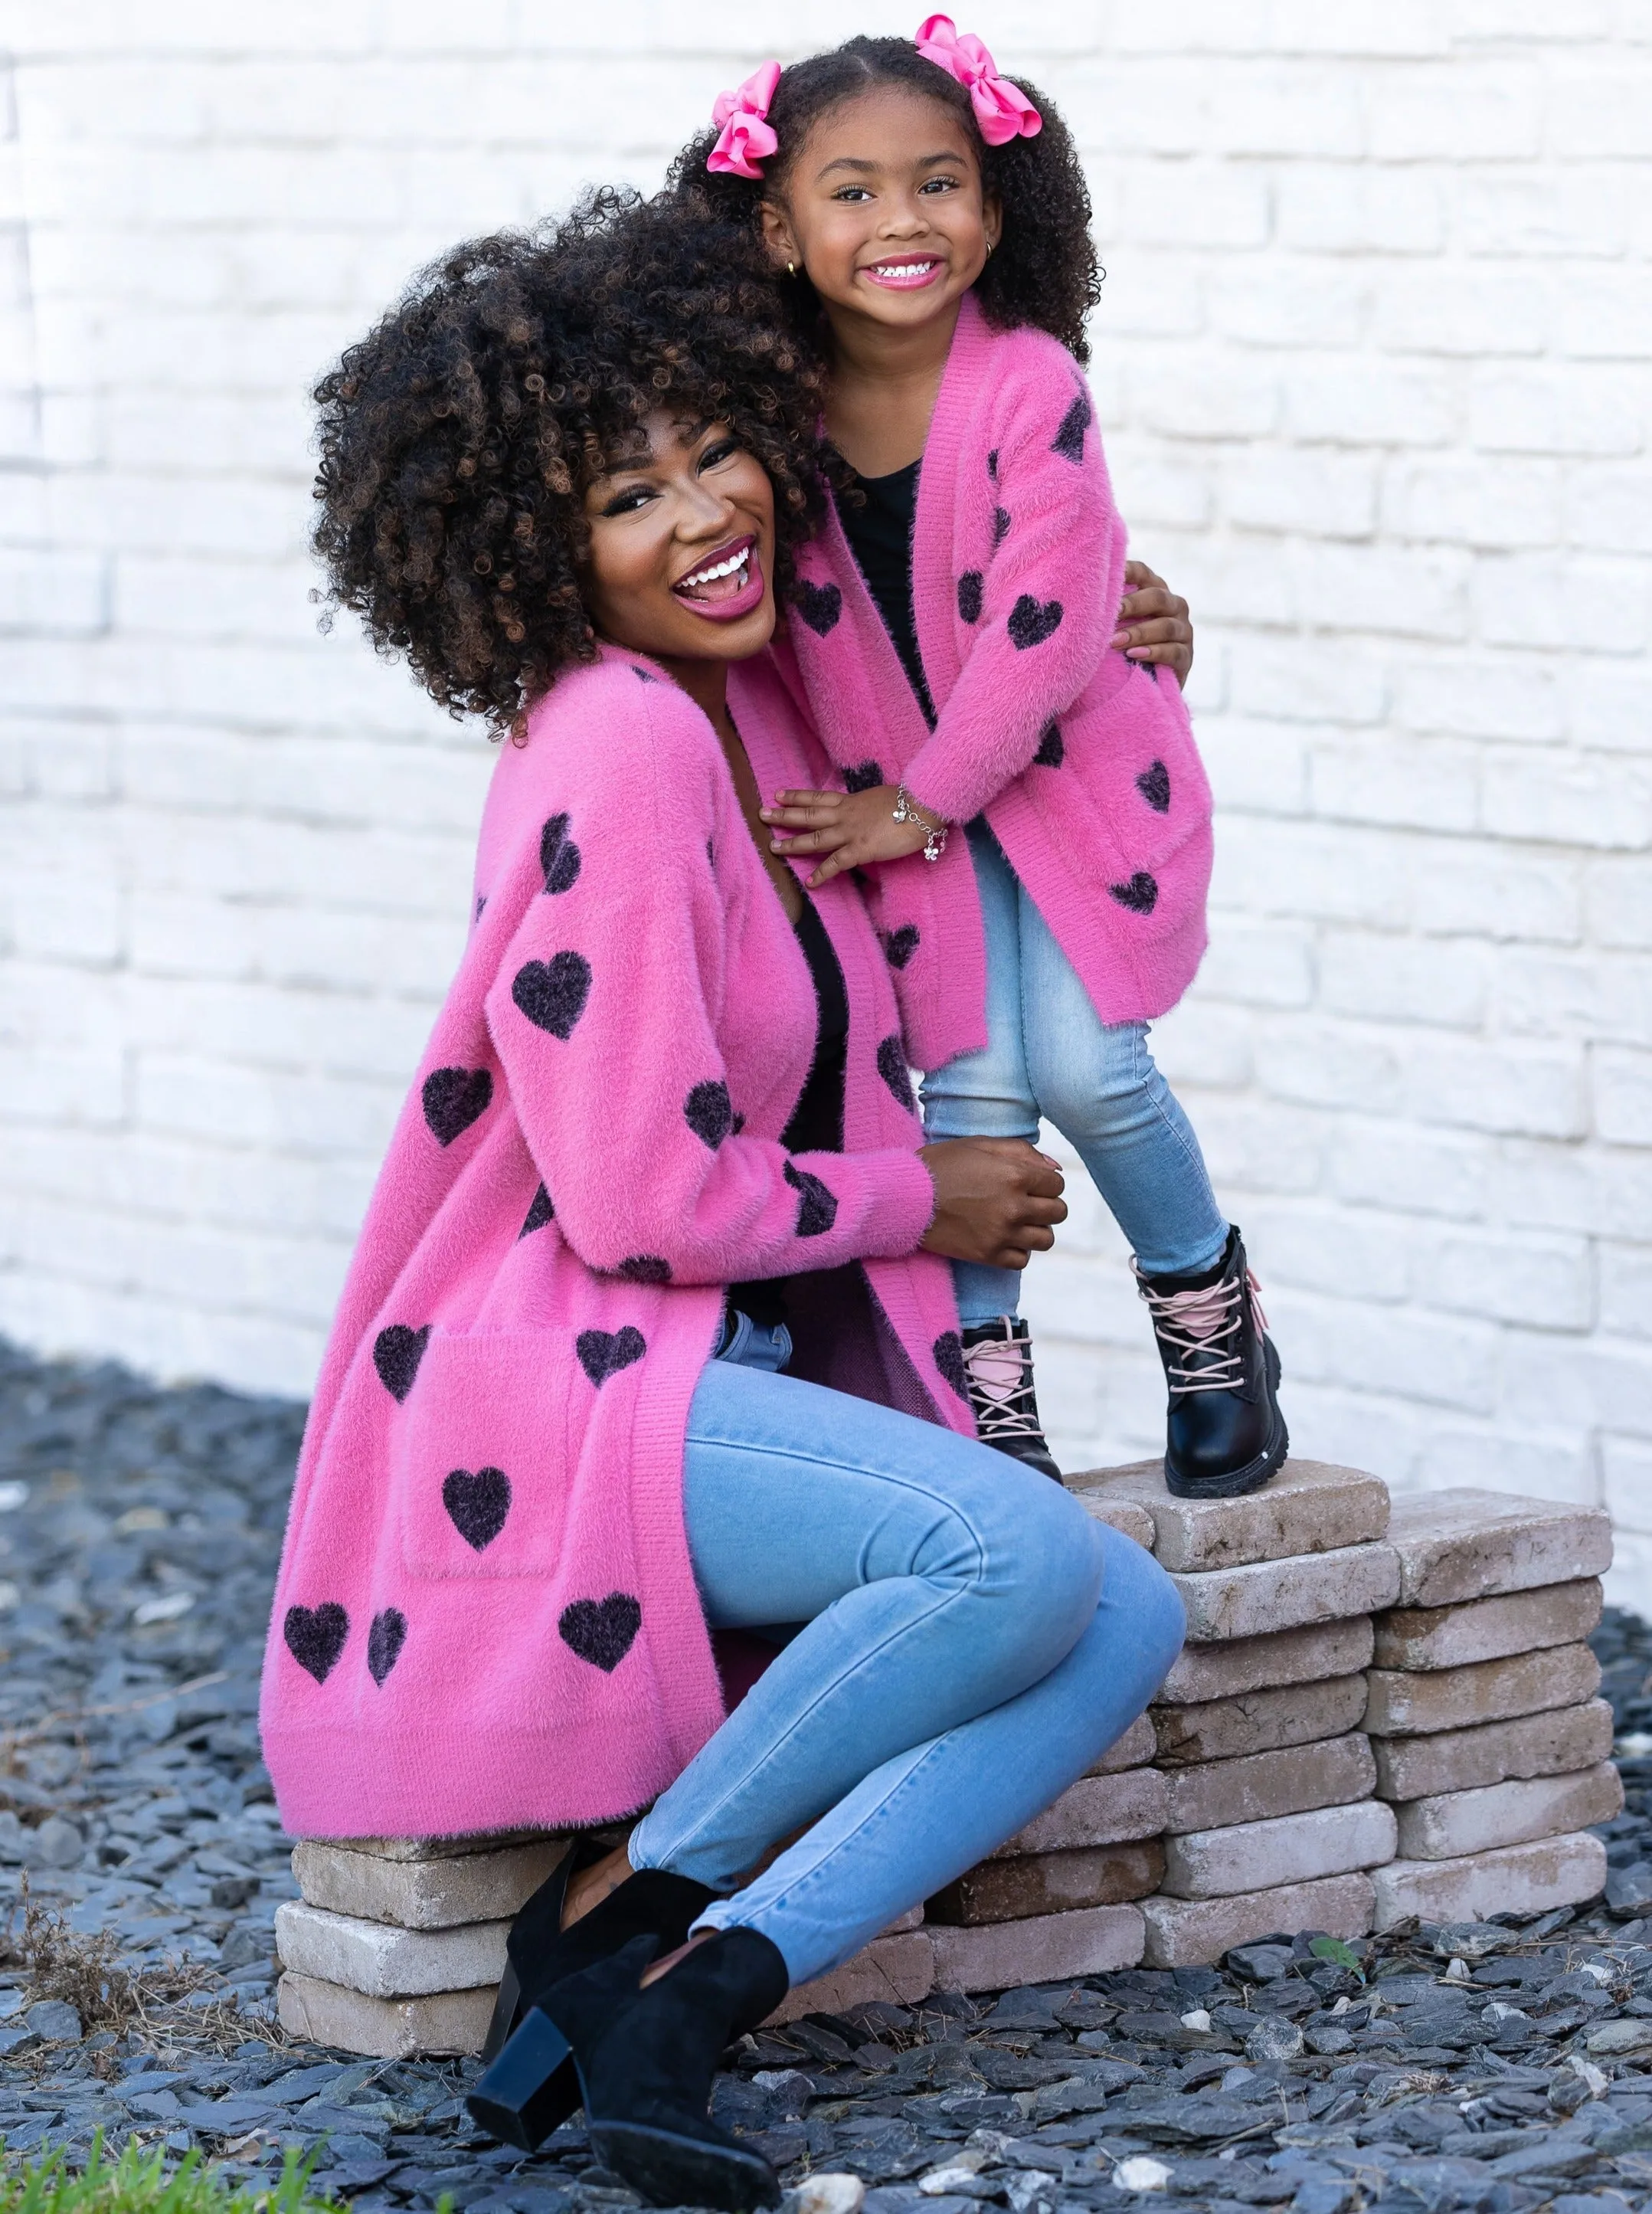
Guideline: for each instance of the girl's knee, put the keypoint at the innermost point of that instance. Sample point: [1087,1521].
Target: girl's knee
[1044,1557]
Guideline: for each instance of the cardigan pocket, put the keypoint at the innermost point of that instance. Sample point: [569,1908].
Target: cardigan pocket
[481,1467]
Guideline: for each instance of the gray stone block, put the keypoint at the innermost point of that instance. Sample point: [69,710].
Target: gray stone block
[1193,1933]
[1453,1823]
[1487,1629]
[441,1849]
[1529,1879]
[320,2013]
[898,1969]
[383,1963]
[1050,1883]
[1261,1786]
[1091,1943]
[1257,1721]
[1464,1544]
[1309,1507]
[1409,1702]
[1551,1744]
[1310,1655]
[1269,1595]
[424,1894]
[1269,1855]
[1126,1515]
[1134,1750]
[1097,1810]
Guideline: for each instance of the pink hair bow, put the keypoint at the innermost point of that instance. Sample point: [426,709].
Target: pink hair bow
[745,138]
[1003,111]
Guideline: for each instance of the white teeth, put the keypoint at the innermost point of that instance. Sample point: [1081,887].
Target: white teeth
[717,569]
[904,268]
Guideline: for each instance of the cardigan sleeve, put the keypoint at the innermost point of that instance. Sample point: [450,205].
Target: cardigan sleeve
[1037,619]
[602,1017]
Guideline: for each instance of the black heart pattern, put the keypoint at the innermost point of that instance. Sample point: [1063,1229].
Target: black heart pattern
[552,994]
[864,776]
[481,902]
[900,944]
[384,1642]
[1154,785]
[1052,748]
[1000,525]
[1140,895]
[1031,622]
[477,1503]
[604,1353]
[992,465]
[453,1098]
[949,1351]
[820,605]
[892,1068]
[601,1630]
[397,1353]
[1068,441]
[558,856]
[644,673]
[539,1214]
[710,1112]
[645,1269]
[315,1636]
[1149,670]
[817,1205]
[969,595]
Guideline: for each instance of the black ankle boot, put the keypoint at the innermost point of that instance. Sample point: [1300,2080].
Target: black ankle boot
[528,2084]
[998,1364]
[646,2058]
[1224,1433]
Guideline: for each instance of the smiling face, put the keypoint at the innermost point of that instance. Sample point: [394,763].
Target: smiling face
[883,204]
[682,546]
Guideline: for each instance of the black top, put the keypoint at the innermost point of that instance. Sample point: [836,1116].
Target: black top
[879,534]
[817,1121]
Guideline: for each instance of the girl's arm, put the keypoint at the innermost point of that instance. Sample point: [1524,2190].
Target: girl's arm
[601,1014]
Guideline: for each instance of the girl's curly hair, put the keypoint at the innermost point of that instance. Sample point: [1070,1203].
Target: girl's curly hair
[457,440]
[1044,271]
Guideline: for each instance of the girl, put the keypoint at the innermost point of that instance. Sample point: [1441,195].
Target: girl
[556,1442]
[956,639]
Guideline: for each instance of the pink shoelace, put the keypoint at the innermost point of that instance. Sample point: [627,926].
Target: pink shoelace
[1001,1388]
[1194,1324]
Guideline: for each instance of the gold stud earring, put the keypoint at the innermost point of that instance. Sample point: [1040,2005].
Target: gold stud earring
[791,269]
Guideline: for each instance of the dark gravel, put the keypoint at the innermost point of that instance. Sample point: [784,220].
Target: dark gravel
[1496,2068]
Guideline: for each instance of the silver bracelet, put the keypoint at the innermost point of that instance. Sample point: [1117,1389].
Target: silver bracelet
[908,810]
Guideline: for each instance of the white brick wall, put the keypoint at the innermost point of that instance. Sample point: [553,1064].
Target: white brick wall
[1373,360]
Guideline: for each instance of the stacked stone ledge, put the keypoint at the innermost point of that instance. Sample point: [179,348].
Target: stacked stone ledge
[1377,1713]
[1489,1741]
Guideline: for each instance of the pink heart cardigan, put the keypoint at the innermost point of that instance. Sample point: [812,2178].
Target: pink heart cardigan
[485,1615]
[1082,762]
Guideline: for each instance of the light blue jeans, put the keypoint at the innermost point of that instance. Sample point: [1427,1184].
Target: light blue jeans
[972,1642]
[1049,1053]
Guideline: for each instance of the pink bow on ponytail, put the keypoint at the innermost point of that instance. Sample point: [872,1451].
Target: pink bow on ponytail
[1003,111]
[745,139]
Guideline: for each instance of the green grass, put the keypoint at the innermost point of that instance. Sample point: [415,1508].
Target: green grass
[139,2182]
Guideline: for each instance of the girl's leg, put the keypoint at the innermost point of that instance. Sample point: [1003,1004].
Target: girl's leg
[919,1820]
[935,1581]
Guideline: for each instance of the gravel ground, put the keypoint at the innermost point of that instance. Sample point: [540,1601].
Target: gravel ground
[1495,2067]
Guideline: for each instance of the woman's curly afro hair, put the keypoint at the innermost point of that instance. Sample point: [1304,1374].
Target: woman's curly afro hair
[458,439]
[1044,271]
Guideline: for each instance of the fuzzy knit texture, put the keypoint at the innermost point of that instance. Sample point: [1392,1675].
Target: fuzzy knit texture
[486,1615]
[1082,762]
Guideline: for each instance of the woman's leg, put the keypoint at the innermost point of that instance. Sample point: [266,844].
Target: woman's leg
[986,1094]
[918,1821]
[935,1579]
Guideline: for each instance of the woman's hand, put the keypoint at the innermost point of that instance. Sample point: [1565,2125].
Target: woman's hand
[851,827]
[1153,622]
[996,1200]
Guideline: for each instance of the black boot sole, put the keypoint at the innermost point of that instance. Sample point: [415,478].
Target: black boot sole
[1235,1482]
[681,2171]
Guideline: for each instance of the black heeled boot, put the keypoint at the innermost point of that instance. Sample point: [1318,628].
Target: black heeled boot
[1224,1433]
[646,2058]
[528,2084]
[998,1366]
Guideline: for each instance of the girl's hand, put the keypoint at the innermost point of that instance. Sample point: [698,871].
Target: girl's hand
[996,1201]
[852,828]
[1153,622]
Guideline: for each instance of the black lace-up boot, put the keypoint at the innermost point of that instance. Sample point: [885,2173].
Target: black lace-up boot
[998,1362]
[1224,1433]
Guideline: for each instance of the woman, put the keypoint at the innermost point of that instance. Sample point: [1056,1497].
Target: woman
[650,1326]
